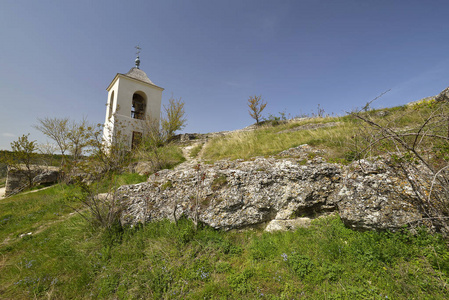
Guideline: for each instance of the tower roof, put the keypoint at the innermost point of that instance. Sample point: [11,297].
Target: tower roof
[138,74]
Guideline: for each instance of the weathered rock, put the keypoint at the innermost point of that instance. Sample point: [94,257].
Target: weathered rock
[443,96]
[382,113]
[285,225]
[185,137]
[234,194]
[17,177]
[144,168]
[305,153]
[238,194]
[46,177]
[373,197]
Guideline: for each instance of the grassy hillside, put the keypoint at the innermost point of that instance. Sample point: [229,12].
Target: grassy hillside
[66,258]
[270,140]
[49,252]
[339,138]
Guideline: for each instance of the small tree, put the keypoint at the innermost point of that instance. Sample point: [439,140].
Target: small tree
[256,106]
[101,159]
[79,136]
[56,129]
[174,119]
[48,151]
[23,156]
[152,140]
[70,136]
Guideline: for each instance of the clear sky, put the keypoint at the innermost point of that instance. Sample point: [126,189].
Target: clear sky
[58,57]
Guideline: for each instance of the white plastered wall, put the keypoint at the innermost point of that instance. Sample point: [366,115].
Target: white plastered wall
[123,89]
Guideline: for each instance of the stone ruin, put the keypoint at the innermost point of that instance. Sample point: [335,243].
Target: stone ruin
[17,178]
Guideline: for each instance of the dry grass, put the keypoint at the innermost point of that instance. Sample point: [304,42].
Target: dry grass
[272,140]
[337,139]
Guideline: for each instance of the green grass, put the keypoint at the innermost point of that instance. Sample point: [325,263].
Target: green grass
[167,156]
[71,260]
[110,183]
[28,212]
[25,213]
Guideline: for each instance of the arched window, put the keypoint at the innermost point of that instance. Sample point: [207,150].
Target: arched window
[138,107]
[111,105]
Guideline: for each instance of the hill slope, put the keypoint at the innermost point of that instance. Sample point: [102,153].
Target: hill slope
[49,252]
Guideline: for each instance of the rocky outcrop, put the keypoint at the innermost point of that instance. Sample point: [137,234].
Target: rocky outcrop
[284,225]
[374,197]
[443,96]
[48,176]
[17,177]
[282,192]
[143,167]
[234,194]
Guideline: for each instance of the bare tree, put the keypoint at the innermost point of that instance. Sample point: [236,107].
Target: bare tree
[79,135]
[157,134]
[175,117]
[56,129]
[48,151]
[418,152]
[256,106]
[70,136]
[103,209]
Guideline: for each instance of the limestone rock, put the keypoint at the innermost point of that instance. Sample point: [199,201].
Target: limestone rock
[234,194]
[17,177]
[285,225]
[310,126]
[143,168]
[46,177]
[238,194]
[373,197]
[443,96]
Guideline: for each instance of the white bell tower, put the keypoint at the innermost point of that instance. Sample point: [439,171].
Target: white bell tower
[133,100]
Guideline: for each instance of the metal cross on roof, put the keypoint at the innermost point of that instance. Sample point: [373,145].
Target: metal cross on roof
[137,61]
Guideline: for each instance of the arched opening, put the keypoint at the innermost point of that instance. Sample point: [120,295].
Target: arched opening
[111,105]
[138,106]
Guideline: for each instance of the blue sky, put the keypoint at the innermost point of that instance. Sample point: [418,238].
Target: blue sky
[58,57]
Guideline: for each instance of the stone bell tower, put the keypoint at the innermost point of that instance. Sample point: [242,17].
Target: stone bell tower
[133,101]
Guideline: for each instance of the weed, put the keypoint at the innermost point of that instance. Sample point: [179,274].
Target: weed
[239,281]
[300,264]
[168,184]
[219,181]
[222,267]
